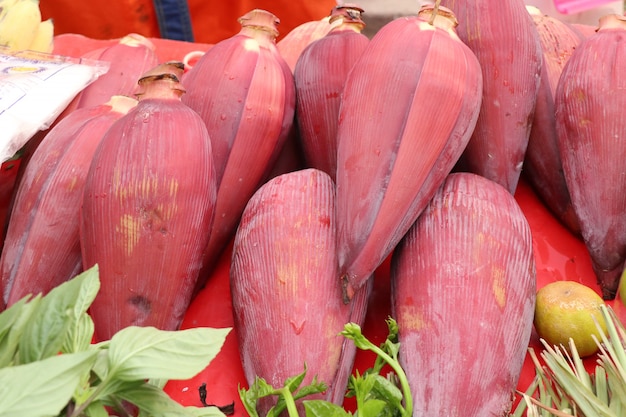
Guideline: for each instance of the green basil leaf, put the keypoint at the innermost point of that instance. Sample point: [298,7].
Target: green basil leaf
[80,332]
[203,411]
[96,409]
[8,318]
[315,387]
[147,352]
[101,367]
[373,408]
[10,344]
[46,333]
[154,402]
[321,408]
[259,389]
[362,385]
[386,390]
[79,335]
[158,382]
[251,396]
[42,388]
[87,290]
[109,389]
[293,383]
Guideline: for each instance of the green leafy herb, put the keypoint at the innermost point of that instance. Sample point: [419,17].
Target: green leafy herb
[43,387]
[49,367]
[146,352]
[54,315]
[11,324]
[372,389]
[376,395]
[287,395]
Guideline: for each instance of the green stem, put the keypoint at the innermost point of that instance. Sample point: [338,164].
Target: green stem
[408,398]
[290,403]
[94,395]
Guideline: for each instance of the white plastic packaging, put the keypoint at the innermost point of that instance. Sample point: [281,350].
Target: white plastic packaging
[34,89]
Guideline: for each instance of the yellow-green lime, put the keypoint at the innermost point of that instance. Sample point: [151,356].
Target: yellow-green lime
[566,309]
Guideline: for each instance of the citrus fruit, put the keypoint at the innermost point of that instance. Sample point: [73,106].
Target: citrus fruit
[566,309]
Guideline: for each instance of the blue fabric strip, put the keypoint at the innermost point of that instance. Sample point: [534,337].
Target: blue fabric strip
[174,19]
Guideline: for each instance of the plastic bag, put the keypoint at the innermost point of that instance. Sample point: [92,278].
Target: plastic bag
[34,89]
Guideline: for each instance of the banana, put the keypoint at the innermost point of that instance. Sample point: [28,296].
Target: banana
[44,37]
[5,6]
[18,24]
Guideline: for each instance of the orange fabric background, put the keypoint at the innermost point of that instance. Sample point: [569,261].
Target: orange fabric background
[212,20]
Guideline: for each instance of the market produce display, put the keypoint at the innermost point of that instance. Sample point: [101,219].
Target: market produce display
[363,224]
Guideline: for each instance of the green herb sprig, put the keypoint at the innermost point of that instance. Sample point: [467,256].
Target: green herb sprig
[376,395]
[49,366]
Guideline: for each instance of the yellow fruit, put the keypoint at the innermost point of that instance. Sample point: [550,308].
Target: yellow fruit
[566,309]
[18,24]
[44,37]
